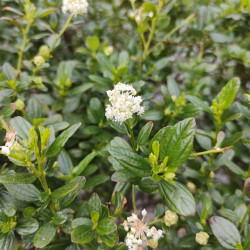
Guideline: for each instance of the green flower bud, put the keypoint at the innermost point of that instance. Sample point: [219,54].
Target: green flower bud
[19,104]
[44,51]
[108,50]
[38,61]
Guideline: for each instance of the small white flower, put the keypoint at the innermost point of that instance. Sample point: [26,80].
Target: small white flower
[139,232]
[5,150]
[124,103]
[75,7]
[10,139]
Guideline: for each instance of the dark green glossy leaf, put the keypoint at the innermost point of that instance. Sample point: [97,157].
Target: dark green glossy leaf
[76,183]
[177,144]
[26,226]
[18,178]
[44,235]
[178,198]
[144,133]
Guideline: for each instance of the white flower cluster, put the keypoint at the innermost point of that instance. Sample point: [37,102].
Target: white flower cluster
[138,232]
[10,139]
[124,103]
[75,7]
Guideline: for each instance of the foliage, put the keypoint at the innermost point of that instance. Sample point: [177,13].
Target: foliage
[69,177]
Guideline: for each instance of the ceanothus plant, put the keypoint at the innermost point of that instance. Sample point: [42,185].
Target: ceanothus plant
[128,138]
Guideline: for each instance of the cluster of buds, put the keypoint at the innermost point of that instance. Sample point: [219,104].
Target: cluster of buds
[170,218]
[139,233]
[124,103]
[202,238]
[10,139]
[160,171]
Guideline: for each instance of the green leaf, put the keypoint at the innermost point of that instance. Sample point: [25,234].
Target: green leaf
[228,93]
[26,226]
[229,214]
[206,208]
[44,12]
[177,144]
[13,10]
[147,185]
[94,204]
[7,204]
[81,221]
[64,162]
[76,183]
[173,87]
[145,133]
[233,167]
[159,136]
[11,21]
[8,72]
[104,63]
[7,241]
[24,192]
[225,231]
[120,128]
[17,178]
[203,139]
[109,239]
[198,102]
[21,127]
[29,212]
[177,197]
[93,43]
[95,180]
[120,142]
[44,235]
[61,140]
[131,162]
[84,163]
[34,109]
[153,115]
[82,234]
[106,226]
[95,110]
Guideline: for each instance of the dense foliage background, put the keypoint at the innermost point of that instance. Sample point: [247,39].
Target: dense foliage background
[178,59]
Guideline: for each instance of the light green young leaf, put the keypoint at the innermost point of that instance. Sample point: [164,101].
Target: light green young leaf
[228,93]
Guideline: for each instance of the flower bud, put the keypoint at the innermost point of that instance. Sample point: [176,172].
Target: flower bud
[170,218]
[169,176]
[108,50]
[202,238]
[211,175]
[44,51]
[191,186]
[39,61]
[152,243]
[19,104]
